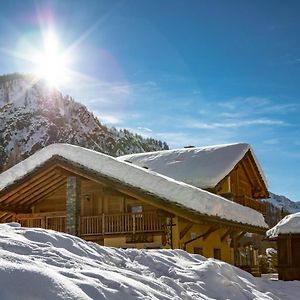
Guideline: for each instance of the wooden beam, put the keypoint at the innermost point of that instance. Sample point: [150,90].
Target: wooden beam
[204,236]
[45,193]
[185,230]
[223,237]
[43,214]
[234,246]
[4,216]
[252,165]
[39,192]
[240,235]
[32,189]
[9,218]
[256,172]
[15,209]
[209,232]
[26,207]
[25,182]
[253,183]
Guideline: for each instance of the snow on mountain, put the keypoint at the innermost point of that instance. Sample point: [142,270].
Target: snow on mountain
[32,116]
[283,202]
[44,264]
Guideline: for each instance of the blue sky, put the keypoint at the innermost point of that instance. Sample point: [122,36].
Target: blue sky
[187,72]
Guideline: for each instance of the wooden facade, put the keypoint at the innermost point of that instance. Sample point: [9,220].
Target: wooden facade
[104,211]
[288,247]
[244,185]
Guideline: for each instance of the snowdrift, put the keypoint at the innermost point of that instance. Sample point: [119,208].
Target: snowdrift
[44,264]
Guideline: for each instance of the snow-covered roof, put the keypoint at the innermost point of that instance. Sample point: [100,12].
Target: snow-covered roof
[203,167]
[289,224]
[167,189]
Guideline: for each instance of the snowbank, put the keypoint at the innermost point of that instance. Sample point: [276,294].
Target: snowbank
[289,224]
[43,264]
[184,195]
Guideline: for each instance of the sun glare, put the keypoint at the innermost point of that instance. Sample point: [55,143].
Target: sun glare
[51,62]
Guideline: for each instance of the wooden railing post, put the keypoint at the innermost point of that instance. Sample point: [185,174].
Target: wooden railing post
[78,223]
[103,224]
[133,224]
[43,222]
[14,217]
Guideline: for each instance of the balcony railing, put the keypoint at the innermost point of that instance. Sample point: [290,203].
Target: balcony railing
[54,220]
[105,224]
[252,203]
[121,223]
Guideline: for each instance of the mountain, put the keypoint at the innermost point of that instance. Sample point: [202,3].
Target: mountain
[32,116]
[278,207]
[284,203]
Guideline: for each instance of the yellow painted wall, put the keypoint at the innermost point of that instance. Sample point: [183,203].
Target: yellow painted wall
[213,241]
[225,186]
[120,242]
[208,245]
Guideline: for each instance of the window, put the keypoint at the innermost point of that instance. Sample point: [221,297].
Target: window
[217,253]
[198,250]
[137,209]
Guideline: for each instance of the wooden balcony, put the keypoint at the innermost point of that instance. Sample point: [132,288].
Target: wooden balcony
[105,224]
[252,203]
[54,220]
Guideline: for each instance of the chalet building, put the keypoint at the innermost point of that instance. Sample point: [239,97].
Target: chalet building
[116,203]
[231,171]
[287,236]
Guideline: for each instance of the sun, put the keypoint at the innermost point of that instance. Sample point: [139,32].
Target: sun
[51,62]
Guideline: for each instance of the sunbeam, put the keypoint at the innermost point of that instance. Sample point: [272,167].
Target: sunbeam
[51,63]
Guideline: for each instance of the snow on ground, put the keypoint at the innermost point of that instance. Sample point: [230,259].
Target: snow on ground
[44,264]
[289,224]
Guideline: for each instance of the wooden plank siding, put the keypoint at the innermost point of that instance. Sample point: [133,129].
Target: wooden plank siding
[244,185]
[288,246]
[104,210]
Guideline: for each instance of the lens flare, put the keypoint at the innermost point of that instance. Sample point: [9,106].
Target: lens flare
[51,62]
